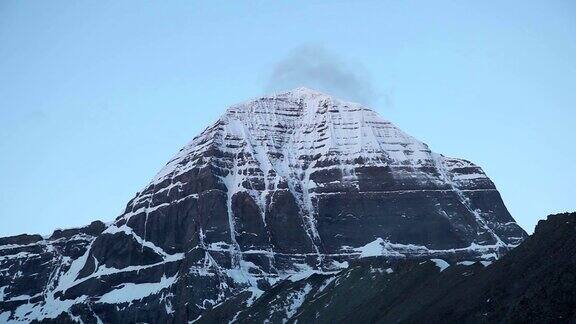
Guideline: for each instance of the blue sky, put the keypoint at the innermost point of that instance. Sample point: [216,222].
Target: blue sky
[96,96]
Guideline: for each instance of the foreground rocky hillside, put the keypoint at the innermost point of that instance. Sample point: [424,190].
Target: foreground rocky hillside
[534,283]
[278,189]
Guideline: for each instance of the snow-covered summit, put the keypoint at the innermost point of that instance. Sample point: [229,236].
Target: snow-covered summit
[302,92]
[306,123]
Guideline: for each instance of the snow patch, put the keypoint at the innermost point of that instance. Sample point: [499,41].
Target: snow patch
[297,299]
[466,263]
[129,292]
[441,264]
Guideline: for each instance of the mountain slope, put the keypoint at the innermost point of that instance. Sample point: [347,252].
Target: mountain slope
[534,283]
[281,186]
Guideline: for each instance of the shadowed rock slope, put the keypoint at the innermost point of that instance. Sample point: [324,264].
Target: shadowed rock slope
[534,283]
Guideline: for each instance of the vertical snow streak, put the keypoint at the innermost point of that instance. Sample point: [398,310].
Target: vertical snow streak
[465,200]
[232,186]
[307,210]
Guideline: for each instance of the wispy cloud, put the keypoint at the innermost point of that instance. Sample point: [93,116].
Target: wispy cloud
[315,67]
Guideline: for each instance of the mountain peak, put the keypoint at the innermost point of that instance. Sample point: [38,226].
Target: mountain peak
[305,122]
[279,188]
[308,100]
[305,92]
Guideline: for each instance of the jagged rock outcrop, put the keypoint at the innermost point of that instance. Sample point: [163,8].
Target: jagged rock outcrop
[279,187]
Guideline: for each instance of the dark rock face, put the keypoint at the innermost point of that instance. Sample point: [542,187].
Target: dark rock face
[288,185]
[534,283]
